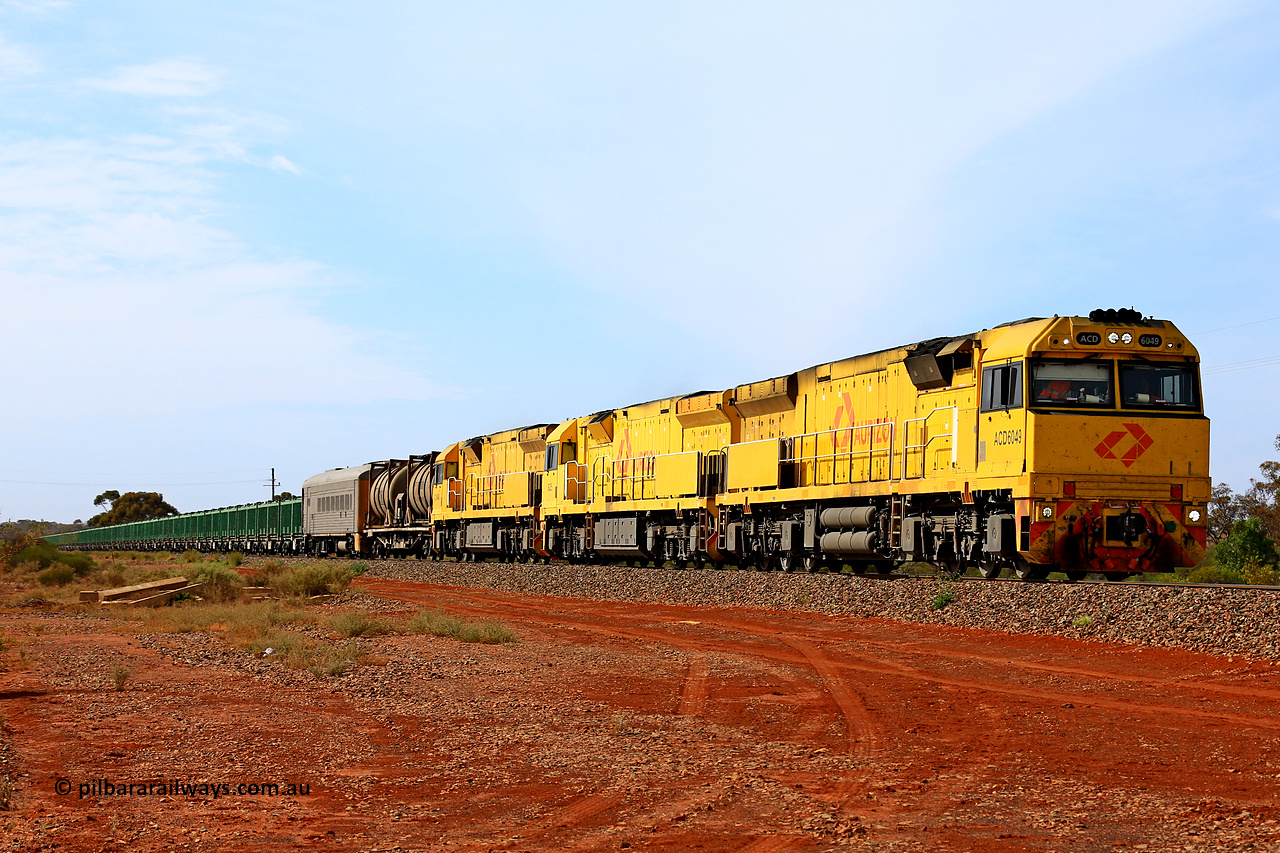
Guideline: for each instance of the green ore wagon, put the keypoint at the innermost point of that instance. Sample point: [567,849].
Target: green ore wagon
[270,527]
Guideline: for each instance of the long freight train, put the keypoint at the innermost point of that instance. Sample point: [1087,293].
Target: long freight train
[1073,444]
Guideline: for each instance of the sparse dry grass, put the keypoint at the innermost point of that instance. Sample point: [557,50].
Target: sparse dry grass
[309,580]
[441,624]
[359,623]
[278,627]
[285,627]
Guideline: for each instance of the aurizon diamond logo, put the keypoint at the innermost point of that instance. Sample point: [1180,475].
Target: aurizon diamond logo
[1140,442]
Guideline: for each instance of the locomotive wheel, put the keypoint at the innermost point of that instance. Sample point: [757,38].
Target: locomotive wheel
[811,562]
[681,564]
[698,562]
[1075,576]
[1115,576]
[858,567]
[1030,572]
[787,561]
[989,570]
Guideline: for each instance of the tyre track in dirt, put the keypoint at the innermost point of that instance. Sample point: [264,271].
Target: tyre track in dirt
[1171,684]
[885,666]
[858,738]
[971,720]
[693,696]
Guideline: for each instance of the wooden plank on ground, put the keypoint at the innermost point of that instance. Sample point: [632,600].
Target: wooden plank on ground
[138,590]
[157,600]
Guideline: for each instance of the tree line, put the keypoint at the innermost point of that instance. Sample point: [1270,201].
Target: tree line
[1245,526]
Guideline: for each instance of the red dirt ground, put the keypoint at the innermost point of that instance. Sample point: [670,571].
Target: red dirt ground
[651,728]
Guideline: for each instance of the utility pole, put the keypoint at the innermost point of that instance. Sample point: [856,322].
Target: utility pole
[273,484]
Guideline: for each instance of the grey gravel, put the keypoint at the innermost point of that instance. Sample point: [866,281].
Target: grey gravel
[1243,622]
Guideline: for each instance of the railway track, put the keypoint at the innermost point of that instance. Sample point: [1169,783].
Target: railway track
[893,576]
[1065,582]
[1084,583]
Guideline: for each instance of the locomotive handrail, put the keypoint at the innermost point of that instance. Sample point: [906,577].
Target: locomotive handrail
[640,474]
[705,485]
[481,488]
[453,493]
[600,478]
[575,479]
[837,455]
[923,446]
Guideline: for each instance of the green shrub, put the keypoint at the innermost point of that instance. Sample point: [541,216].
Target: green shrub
[1211,573]
[1262,575]
[43,555]
[357,569]
[942,599]
[220,584]
[271,568]
[81,564]
[191,556]
[39,554]
[57,576]
[234,559]
[1247,549]
[1082,622]
[306,581]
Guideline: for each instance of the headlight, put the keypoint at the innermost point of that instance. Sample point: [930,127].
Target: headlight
[1194,515]
[1047,511]
[1126,338]
[1113,338]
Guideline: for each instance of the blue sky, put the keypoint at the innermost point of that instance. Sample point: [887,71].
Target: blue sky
[309,235]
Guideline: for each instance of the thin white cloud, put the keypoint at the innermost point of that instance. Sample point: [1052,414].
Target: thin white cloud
[283,164]
[115,243]
[171,78]
[37,6]
[16,61]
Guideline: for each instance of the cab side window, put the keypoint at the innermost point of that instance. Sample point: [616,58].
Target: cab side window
[1002,387]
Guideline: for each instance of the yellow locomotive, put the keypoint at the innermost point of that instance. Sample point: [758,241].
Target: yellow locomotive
[1074,444]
